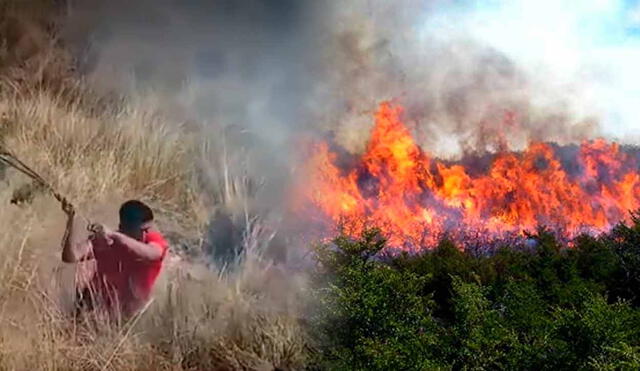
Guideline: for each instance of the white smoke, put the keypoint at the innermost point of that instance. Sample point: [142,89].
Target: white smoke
[566,69]
[588,51]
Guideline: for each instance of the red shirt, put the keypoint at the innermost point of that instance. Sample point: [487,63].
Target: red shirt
[123,280]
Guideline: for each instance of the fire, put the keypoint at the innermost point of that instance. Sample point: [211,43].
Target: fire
[414,198]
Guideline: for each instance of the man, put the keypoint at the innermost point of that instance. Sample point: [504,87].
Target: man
[128,261]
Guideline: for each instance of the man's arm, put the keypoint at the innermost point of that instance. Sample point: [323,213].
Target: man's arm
[72,249]
[147,251]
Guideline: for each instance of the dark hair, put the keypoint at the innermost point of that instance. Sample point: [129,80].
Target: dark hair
[135,212]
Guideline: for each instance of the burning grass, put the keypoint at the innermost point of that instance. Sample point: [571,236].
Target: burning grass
[416,199]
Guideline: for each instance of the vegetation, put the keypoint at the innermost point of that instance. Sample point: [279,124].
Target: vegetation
[550,308]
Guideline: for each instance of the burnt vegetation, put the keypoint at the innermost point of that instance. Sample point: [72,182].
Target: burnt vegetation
[551,306]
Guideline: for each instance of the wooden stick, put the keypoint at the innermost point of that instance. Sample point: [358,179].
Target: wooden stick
[11,160]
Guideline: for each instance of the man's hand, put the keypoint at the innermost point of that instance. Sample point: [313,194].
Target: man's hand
[72,249]
[68,208]
[102,232]
[96,228]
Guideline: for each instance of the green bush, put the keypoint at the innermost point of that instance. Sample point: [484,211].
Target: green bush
[480,339]
[376,317]
[551,307]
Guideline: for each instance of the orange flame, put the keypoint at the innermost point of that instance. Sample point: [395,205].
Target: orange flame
[414,198]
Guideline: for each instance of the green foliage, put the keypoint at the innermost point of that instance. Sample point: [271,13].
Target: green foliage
[621,357]
[552,307]
[480,341]
[593,327]
[376,318]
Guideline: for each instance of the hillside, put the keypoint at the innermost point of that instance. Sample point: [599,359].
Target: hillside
[99,150]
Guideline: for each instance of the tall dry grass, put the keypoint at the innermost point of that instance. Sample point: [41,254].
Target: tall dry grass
[99,151]
[245,318]
[201,318]
[88,157]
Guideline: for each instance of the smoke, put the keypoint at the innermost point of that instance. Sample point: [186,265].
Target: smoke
[226,62]
[460,68]
[474,76]
[585,54]
[242,70]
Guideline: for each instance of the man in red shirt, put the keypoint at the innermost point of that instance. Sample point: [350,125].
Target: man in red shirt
[128,261]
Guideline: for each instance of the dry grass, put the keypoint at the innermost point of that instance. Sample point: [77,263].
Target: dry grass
[98,152]
[30,52]
[246,318]
[201,318]
[126,153]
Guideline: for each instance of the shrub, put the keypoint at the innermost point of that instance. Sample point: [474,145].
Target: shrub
[550,307]
[374,317]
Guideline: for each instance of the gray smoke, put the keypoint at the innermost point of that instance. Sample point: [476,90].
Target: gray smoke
[257,74]
[275,68]
[457,90]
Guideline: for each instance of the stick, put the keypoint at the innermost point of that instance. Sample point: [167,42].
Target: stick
[14,162]
[9,159]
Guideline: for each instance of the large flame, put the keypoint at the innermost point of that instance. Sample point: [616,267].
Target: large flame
[414,198]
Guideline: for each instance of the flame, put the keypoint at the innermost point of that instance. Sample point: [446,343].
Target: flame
[414,198]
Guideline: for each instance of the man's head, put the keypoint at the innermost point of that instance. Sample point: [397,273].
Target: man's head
[135,219]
